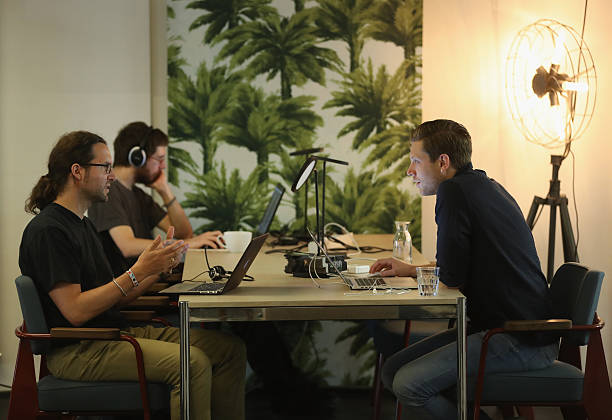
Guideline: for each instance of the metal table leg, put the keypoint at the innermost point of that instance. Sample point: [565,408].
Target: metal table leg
[461,361]
[184,344]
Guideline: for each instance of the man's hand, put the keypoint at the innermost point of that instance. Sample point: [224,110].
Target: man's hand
[392,267]
[161,185]
[205,239]
[158,259]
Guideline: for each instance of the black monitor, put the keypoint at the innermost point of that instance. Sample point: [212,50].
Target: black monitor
[268,216]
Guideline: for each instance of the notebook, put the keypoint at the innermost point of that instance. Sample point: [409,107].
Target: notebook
[368,281]
[218,288]
[268,215]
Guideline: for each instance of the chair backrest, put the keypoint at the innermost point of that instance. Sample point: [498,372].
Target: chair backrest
[575,293]
[32,312]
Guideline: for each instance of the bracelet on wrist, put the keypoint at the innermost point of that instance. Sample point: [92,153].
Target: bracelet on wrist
[120,288]
[130,273]
[169,203]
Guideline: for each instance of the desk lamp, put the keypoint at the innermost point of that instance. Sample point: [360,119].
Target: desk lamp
[309,167]
[551,87]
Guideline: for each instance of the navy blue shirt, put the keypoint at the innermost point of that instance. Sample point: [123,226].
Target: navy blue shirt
[485,248]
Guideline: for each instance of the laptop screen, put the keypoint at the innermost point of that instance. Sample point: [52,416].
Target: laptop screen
[268,216]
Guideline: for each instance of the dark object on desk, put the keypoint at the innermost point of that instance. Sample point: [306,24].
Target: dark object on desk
[53,395]
[575,293]
[238,274]
[306,265]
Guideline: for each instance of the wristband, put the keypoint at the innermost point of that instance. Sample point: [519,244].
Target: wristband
[133,277]
[169,203]
[120,288]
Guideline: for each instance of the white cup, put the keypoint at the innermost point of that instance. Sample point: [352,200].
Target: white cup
[237,241]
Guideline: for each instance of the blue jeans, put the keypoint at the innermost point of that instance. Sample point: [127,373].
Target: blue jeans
[419,374]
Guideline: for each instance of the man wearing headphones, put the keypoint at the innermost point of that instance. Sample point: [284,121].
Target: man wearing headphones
[126,221]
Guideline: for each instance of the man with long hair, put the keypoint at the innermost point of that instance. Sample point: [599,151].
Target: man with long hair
[61,252]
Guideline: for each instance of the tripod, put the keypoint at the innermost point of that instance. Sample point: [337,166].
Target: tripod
[555,200]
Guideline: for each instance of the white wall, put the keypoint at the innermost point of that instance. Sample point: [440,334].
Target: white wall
[465,46]
[64,65]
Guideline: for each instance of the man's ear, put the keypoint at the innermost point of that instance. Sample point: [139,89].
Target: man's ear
[76,171]
[444,162]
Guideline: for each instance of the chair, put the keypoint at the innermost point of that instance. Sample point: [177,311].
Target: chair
[55,397]
[575,292]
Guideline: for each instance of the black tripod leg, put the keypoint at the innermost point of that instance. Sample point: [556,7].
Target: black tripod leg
[551,242]
[570,251]
[533,210]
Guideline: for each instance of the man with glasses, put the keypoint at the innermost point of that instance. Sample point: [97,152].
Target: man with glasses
[61,252]
[126,221]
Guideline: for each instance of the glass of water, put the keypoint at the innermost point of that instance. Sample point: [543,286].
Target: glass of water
[428,279]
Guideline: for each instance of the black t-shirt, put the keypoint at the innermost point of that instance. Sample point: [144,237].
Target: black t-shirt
[485,248]
[57,246]
[124,207]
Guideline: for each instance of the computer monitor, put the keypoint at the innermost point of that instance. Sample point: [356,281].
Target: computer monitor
[268,216]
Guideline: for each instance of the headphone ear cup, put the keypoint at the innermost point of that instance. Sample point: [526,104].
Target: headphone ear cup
[217,273]
[137,157]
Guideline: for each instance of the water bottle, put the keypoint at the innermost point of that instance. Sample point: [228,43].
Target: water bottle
[402,242]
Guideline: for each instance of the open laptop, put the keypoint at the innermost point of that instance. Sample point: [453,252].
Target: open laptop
[367,281]
[202,288]
[268,215]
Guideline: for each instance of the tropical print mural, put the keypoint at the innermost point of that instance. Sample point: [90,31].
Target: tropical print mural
[250,81]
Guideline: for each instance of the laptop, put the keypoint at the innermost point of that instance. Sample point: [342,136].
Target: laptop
[268,215]
[368,281]
[209,288]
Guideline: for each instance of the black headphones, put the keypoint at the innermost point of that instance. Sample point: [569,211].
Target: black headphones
[137,156]
[218,273]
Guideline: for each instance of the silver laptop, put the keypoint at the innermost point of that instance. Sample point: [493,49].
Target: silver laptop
[367,281]
[202,288]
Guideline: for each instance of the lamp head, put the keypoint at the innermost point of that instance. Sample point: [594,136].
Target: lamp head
[304,173]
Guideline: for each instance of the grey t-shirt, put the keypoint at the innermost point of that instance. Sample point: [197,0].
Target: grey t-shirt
[124,207]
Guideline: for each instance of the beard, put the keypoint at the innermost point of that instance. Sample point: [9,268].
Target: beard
[145,177]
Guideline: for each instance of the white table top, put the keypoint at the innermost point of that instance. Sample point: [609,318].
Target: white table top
[274,288]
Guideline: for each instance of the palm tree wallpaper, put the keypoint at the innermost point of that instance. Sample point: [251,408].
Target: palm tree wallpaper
[250,81]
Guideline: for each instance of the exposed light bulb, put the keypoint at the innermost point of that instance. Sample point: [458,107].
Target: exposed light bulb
[576,86]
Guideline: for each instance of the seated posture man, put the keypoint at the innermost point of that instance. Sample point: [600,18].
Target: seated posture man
[126,220]
[485,248]
[125,223]
[61,252]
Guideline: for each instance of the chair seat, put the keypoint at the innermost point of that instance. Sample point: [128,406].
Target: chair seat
[558,382]
[56,394]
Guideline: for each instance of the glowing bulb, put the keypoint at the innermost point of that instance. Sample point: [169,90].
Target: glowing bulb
[577,86]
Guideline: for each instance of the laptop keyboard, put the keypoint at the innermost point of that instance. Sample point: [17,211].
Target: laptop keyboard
[369,281]
[207,286]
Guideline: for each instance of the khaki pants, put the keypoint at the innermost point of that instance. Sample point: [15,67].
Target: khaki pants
[217,369]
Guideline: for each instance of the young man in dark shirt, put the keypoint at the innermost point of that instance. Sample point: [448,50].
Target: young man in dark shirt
[126,220]
[484,248]
[61,252]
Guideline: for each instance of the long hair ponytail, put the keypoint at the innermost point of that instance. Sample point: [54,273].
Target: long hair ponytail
[71,148]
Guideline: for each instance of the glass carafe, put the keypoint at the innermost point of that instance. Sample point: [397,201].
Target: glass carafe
[402,242]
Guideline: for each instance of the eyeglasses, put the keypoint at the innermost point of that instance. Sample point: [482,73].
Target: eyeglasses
[108,167]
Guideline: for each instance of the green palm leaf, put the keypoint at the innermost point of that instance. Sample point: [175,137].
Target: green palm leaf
[280,46]
[265,124]
[344,20]
[399,22]
[223,14]
[226,203]
[198,107]
[376,101]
